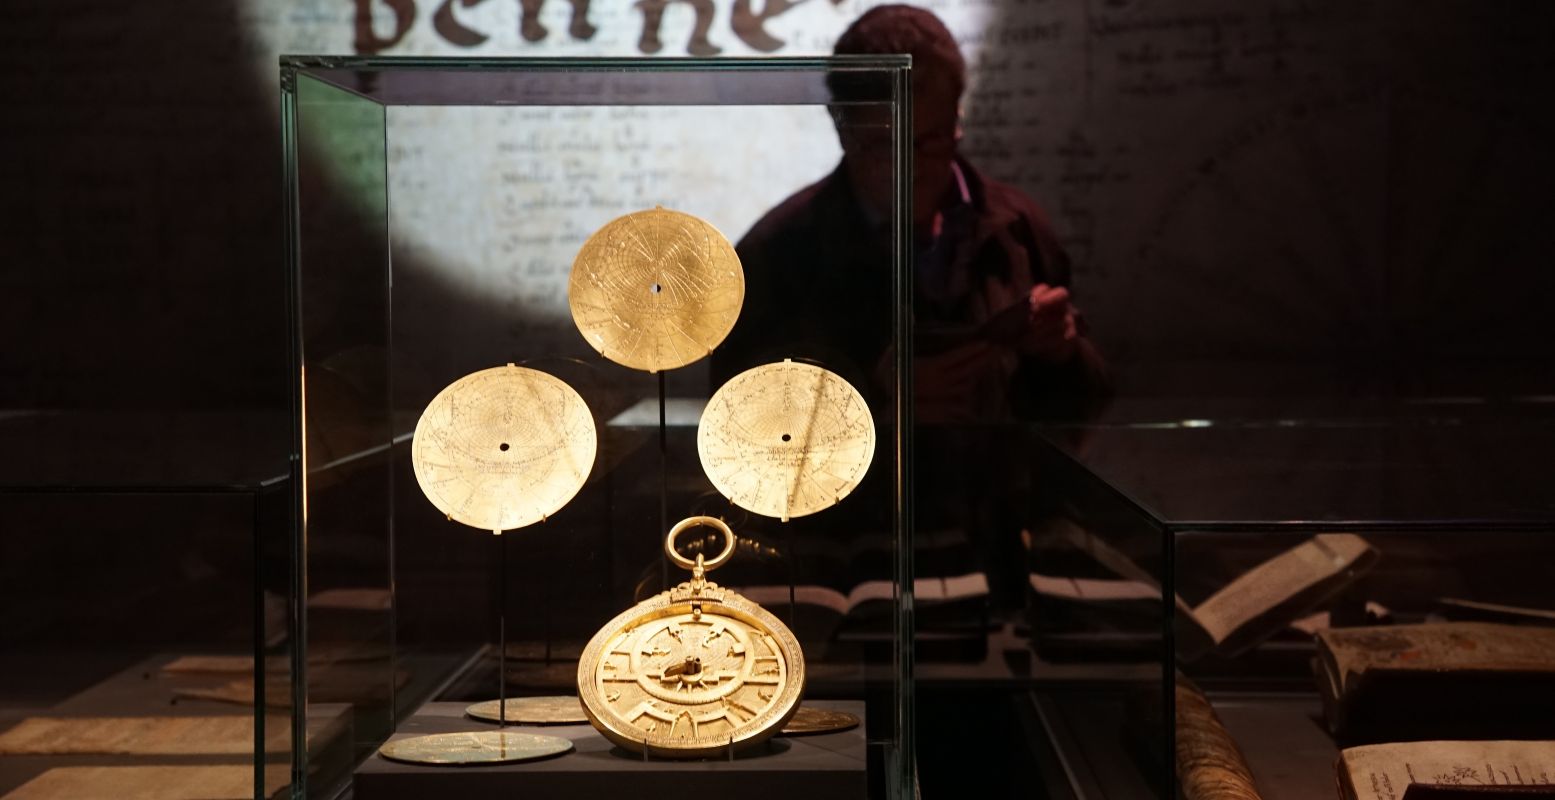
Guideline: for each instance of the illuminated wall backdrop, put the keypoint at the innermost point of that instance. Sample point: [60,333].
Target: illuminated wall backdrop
[1307,181]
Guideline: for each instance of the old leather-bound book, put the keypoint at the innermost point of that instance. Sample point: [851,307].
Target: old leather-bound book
[1452,680]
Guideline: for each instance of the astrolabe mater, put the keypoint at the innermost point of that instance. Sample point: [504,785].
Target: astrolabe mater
[808,721]
[656,289]
[786,439]
[694,671]
[504,447]
[549,710]
[474,747]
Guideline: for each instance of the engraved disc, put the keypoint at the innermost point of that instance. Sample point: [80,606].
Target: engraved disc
[479,747]
[808,720]
[503,448]
[656,289]
[691,680]
[559,710]
[786,439]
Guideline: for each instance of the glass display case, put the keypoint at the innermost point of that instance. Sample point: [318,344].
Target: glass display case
[463,223]
[132,603]
[1358,587]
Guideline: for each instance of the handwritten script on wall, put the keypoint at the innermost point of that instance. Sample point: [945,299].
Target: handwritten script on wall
[1295,178]
[1226,178]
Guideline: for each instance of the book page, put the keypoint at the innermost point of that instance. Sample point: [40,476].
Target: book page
[1312,623]
[1280,580]
[1451,605]
[219,735]
[958,587]
[147,783]
[244,665]
[808,594]
[874,590]
[1093,589]
[360,599]
[1113,559]
[220,665]
[1385,771]
[1104,553]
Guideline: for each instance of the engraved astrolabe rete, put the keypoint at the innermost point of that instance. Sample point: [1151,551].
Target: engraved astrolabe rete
[656,289]
[786,439]
[503,448]
[694,671]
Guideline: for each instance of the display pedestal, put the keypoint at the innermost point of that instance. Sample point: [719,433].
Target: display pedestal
[829,765]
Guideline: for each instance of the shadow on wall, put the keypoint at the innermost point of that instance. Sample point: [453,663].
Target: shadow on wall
[144,266]
[143,261]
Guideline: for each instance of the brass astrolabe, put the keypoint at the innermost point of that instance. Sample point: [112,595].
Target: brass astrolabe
[656,289]
[694,671]
[498,449]
[809,721]
[474,747]
[551,710]
[503,448]
[786,439]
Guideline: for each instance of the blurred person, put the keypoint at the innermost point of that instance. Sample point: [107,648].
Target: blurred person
[998,336]
[997,339]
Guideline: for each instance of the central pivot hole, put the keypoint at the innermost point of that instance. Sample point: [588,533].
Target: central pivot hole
[503,447]
[655,288]
[693,666]
[786,437]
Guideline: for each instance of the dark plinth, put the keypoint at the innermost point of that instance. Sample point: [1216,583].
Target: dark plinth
[812,767]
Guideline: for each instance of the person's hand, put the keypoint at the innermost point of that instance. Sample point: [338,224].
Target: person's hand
[946,384]
[1051,332]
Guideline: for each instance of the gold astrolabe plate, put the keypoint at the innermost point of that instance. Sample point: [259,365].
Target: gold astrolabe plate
[477,747]
[503,448]
[693,671]
[786,439]
[809,720]
[559,710]
[656,289]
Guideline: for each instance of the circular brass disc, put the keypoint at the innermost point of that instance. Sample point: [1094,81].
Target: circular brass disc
[786,439]
[809,721]
[503,448]
[481,747]
[656,289]
[688,681]
[560,710]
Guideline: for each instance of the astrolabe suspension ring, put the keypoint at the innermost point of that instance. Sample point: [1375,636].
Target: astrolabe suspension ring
[700,522]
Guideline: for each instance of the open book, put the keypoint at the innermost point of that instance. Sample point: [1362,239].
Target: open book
[1273,594]
[1246,611]
[1448,769]
[819,611]
[1436,680]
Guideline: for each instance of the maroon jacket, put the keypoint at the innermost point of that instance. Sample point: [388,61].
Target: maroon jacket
[818,286]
